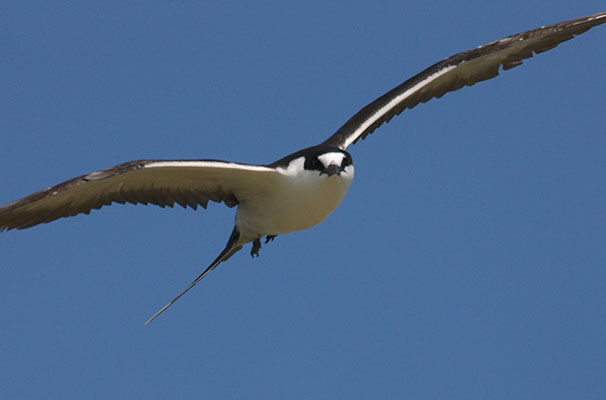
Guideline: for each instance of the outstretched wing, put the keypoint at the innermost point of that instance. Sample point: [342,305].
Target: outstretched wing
[163,183]
[463,69]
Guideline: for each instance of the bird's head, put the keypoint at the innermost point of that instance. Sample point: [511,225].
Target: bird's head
[331,162]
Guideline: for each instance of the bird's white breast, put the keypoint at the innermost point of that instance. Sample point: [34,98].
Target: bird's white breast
[299,199]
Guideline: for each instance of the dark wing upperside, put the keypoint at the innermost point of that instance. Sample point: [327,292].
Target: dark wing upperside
[463,69]
[163,183]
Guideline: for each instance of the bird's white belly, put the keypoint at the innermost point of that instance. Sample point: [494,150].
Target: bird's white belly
[296,203]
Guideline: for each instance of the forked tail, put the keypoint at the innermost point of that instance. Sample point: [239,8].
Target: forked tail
[227,252]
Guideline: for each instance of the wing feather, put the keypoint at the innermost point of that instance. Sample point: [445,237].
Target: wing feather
[463,69]
[188,183]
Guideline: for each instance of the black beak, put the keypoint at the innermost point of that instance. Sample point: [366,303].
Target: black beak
[332,169]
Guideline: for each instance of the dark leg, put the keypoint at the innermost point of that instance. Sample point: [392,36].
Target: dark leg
[255,248]
[254,252]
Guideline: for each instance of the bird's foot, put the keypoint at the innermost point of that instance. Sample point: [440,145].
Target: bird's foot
[254,252]
[255,248]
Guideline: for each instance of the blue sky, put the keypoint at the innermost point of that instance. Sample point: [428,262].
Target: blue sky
[467,260]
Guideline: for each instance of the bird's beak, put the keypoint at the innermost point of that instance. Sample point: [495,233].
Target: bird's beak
[333,169]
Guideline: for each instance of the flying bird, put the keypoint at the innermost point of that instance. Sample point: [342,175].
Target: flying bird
[296,192]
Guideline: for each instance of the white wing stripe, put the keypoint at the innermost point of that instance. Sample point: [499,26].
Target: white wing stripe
[208,164]
[395,101]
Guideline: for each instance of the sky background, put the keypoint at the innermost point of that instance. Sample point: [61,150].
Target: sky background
[468,259]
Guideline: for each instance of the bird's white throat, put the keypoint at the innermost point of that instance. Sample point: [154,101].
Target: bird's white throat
[300,199]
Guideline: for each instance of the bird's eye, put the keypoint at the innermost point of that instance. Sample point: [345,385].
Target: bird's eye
[316,164]
[346,161]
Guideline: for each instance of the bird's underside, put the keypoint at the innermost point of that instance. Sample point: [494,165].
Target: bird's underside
[295,192]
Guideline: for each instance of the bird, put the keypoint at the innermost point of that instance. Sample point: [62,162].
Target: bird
[299,190]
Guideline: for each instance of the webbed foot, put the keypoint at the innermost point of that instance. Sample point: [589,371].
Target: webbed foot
[255,248]
[254,252]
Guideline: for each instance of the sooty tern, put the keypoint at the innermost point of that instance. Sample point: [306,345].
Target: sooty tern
[296,192]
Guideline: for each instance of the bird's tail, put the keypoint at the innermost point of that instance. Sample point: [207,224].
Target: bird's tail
[231,247]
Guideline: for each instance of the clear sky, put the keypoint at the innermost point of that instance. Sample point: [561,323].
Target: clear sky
[468,259]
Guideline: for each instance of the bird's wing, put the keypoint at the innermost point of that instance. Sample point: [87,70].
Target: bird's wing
[163,183]
[463,69]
